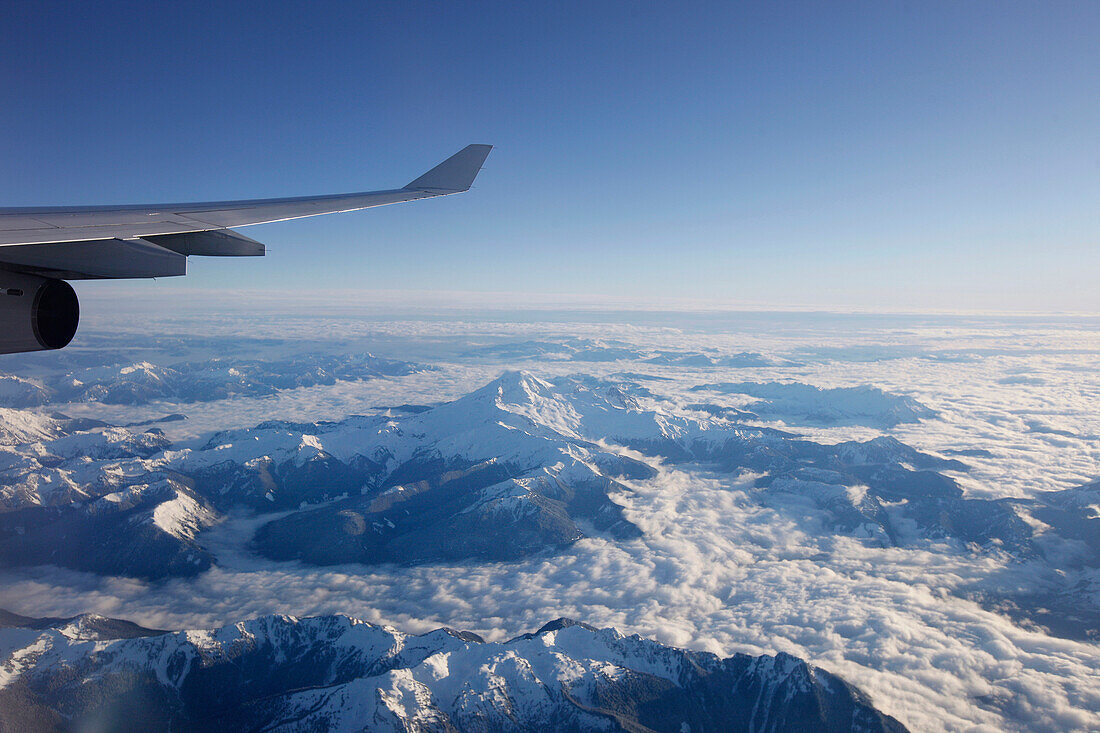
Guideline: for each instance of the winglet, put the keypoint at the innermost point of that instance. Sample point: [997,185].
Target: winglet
[456,173]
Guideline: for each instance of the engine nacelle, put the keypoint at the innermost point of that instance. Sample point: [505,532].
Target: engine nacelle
[36,313]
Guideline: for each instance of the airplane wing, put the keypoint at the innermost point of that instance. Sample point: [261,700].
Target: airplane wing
[155,240]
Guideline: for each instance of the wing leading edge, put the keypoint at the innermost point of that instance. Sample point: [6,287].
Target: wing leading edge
[155,240]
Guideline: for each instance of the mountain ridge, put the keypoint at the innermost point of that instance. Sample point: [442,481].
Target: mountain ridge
[336,672]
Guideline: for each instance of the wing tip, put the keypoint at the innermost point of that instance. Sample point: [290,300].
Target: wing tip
[457,173]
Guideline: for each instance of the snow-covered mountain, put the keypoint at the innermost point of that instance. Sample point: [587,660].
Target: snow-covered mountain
[194,381]
[498,474]
[19,427]
[279,673]
[795,402]
[144,529]
[94,497]
[55,461]
[520,466]
[19,392]
[605,350]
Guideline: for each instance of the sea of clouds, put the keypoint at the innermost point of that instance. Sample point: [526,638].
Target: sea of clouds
[716,570]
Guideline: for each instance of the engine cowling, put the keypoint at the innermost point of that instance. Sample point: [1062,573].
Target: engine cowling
[36,313]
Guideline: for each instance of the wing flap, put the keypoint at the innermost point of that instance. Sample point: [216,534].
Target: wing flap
[105,258]
[216,243]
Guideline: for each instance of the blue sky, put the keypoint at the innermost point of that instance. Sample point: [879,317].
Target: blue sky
[873,155]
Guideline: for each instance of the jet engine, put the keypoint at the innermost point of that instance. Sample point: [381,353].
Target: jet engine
[36,313]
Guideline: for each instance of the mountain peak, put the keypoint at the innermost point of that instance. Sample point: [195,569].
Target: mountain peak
[563,623]
[519,387]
